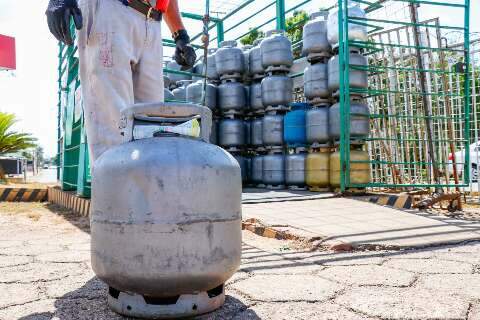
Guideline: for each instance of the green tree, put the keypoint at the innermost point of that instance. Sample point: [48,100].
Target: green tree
[294,26]
[12,141]
[253,35]
[40,155]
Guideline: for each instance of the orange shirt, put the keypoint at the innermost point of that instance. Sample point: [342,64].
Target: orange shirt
[162,5]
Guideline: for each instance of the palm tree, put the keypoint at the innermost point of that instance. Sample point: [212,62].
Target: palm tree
[11,141]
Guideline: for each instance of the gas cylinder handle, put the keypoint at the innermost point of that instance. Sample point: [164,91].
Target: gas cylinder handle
[228,44]
[164,119]
[274,31]
[164,111]
[257,42]
[321,13]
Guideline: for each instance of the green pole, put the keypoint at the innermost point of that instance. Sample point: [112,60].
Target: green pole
[59,110]
[346,83]
[466,39]
[342,100]
[220,33]
[281,23]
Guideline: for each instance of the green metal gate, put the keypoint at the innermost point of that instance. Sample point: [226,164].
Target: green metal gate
[412,120]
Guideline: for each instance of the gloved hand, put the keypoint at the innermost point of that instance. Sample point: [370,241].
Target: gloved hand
[58,18]
[184,52]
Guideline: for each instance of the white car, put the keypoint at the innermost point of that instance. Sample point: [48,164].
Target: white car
[460,159]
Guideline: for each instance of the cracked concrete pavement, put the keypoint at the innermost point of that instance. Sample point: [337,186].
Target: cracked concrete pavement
[45,274]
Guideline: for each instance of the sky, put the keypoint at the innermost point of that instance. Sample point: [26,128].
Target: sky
[31,91]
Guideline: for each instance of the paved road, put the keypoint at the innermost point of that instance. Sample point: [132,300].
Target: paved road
[45,176]
[45,274]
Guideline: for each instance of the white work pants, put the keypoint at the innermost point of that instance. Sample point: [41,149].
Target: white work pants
[120,64]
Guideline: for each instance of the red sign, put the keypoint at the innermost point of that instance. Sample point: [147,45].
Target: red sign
[7,53]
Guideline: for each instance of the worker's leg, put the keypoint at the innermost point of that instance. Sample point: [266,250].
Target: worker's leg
[148,73]
[107,50]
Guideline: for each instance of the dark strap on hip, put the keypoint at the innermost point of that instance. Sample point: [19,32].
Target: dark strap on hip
[144,8]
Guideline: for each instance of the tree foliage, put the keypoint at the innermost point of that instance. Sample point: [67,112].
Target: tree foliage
[253,35]
[12,141]
[294,26]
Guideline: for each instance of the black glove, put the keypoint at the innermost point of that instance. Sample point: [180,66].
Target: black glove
[184,52]
[58,18]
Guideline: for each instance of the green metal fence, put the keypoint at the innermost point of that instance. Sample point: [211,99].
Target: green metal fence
[412,122]
[73,161]
[401,106]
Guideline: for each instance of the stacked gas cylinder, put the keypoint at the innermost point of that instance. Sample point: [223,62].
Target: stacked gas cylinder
[253,94]
[317,125]
[277,94]
[276,142]
[359,127]
[306,125]
[230,64]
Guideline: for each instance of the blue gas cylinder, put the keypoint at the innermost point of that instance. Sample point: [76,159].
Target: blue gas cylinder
[294,125]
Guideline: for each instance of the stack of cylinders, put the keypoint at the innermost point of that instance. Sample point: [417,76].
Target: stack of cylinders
[357,118]
[278,143]
[256,73]
[318,50]
[271,93]
[234,124]
[204,89]
[230,67]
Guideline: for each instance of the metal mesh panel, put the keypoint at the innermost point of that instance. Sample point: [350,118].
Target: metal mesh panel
[416,93]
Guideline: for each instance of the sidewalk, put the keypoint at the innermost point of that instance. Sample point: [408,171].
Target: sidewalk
[44,262]
[362,223]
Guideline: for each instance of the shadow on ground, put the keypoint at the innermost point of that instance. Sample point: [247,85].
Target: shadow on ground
[90,302]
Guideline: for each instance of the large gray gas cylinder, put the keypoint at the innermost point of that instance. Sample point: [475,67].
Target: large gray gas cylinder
[166,216]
